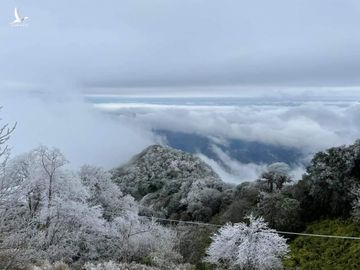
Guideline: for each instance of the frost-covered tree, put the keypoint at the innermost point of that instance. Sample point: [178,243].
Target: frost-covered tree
[131,237]
[356,204]
[203,199]
[7,190]
[129,266]
[128,236]
[10,217]
[105,193]
[279,211]
[329,181]
[53,202]
[247,246]
[65,216]
[5,132]
[275,176]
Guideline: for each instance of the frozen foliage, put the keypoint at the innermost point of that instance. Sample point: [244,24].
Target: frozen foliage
[275,176]
[242,246]
[105,193]
[5,132]
[54,266]
[133,266]
[149,170]
[8,188]
[279,211]
[50,213]
[114,266]
[55,216]
[330,179]
[173,183]
[203,198]
[127,236]
[356,204]
[132,238]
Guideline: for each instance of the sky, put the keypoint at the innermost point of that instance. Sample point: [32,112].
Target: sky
[283,50]
[182,47]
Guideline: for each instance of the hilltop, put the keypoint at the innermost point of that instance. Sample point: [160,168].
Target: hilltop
[172,183]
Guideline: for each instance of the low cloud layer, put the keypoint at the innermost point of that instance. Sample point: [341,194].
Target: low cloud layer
[309,126]
[237,172]
[68,123]
[306,126]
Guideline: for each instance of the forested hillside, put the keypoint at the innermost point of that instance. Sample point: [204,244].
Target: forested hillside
[328,191]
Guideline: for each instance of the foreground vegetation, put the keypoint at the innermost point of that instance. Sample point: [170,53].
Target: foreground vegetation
[54,218]
[326,253]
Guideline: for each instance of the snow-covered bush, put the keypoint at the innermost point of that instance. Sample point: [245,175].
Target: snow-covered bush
[49,266]
[131,238]
[132,266]
[243,246]
[116,266]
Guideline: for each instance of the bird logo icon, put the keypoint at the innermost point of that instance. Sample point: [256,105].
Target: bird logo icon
[19,20]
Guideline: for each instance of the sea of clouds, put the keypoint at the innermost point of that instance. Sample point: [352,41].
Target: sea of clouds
[109,134]
[306,126]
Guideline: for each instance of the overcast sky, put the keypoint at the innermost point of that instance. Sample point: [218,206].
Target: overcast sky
[181,46]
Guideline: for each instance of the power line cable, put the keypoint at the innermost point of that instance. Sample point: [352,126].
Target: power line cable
[279,232]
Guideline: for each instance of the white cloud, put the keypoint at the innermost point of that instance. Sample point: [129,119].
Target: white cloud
[309,126]
[236,172]
[233,171]
[65,121]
